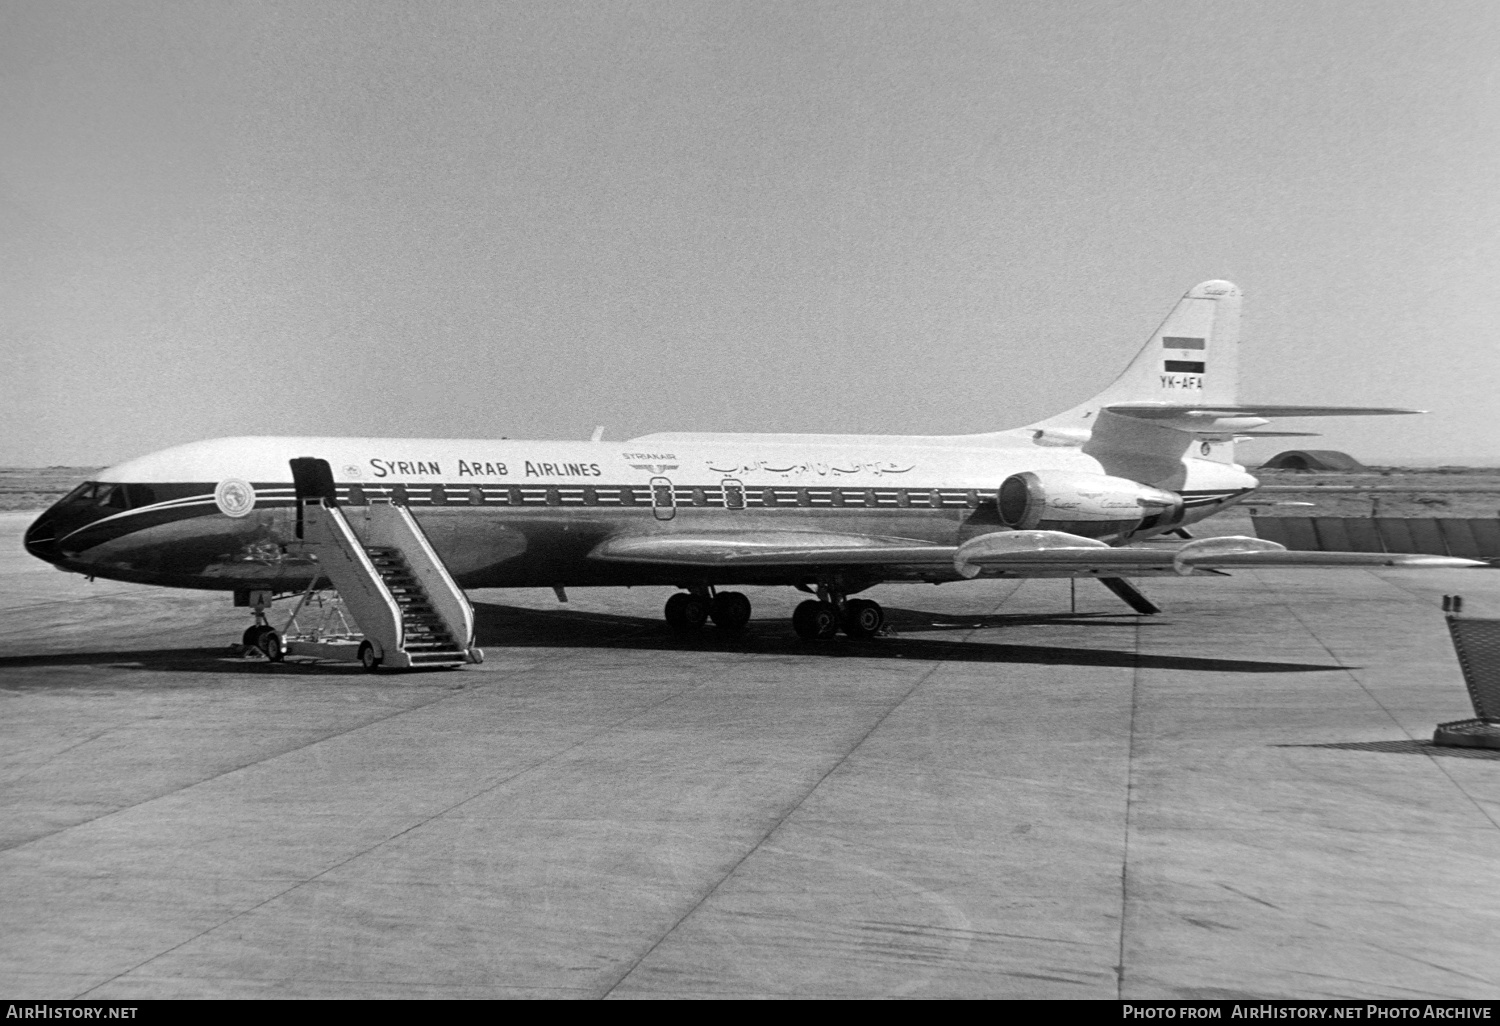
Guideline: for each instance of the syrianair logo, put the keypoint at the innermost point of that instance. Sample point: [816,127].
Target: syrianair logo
[235,498]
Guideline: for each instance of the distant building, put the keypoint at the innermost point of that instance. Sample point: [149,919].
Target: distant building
[1313,459]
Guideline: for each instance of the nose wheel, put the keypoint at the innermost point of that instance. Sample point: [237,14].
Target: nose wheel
[262,638]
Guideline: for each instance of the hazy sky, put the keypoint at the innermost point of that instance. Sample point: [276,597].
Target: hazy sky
[524,219]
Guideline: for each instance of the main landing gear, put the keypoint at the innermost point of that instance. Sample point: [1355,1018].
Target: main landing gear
[821,618]
[689,610]
[816,619]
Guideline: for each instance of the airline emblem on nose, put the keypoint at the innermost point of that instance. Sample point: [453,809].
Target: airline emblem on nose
[234,497]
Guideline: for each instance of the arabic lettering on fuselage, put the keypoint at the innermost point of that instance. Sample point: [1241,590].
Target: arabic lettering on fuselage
[784,467]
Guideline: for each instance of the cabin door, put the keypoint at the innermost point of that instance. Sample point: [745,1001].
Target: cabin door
[663,498]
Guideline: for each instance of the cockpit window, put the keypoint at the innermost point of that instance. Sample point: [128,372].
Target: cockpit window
[106,495]
[110,495]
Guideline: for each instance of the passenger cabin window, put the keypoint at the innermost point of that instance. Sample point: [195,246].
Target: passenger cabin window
[476,496]
[734,495]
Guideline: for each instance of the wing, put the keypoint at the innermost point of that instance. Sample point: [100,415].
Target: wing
[1000,553]
[1053,553]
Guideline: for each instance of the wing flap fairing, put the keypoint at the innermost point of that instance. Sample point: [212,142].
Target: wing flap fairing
[769,548]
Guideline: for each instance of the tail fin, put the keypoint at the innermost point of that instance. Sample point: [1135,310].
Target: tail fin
[1178,398]
[1192,358]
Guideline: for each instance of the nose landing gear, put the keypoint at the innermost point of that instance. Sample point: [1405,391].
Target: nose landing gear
[260,636]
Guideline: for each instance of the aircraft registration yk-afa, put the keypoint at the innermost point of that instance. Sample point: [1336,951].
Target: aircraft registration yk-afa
[401,525]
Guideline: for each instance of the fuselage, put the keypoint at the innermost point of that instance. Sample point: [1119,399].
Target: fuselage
[221,514]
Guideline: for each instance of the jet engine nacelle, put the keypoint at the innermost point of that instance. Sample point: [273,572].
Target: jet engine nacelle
[1084,503]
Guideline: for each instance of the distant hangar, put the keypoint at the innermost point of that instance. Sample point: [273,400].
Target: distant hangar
[1313,459]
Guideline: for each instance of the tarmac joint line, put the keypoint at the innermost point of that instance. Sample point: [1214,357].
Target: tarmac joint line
[760,843]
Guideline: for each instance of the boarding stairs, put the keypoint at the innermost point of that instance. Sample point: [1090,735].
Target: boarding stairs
[391,581]
[427,638]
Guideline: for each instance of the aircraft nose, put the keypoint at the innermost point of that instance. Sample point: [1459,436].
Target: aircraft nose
[41,538]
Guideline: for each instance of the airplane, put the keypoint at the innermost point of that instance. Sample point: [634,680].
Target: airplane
[831,515]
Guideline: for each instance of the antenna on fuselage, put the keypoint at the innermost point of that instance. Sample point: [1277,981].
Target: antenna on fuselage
[598,435]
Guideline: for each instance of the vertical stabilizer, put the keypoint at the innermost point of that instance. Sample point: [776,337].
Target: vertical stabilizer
[1193,358]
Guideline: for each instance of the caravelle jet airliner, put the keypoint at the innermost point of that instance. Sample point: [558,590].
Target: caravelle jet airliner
[832,515]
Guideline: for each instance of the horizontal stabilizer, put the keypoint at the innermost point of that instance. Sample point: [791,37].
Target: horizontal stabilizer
[1169,411]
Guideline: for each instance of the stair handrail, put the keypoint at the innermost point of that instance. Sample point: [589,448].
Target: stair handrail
[365,594]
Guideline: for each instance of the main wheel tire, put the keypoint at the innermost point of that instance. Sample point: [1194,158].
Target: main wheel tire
[730,610]
[862,618]
[686,611]
[251,638]
[367,657]
[815,621]
[269,642]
